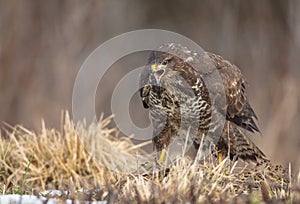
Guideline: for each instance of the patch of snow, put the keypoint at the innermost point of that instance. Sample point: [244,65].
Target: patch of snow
[31,199]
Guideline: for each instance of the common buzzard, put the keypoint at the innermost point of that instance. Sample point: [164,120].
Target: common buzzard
[175,89]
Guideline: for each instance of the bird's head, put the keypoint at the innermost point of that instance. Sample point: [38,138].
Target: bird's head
[162,65]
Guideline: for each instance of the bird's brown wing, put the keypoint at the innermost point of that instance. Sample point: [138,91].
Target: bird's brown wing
[239,110]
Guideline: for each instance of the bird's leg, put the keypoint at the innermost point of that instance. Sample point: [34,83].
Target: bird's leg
[162,156]
[164,140]
[220,157]
[219,154]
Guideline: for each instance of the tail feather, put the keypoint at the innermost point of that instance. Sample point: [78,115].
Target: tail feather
[246,149]
[240,146]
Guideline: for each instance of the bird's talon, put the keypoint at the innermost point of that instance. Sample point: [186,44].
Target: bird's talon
[148,164]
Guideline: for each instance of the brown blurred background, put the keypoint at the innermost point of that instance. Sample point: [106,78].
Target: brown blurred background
[44,43]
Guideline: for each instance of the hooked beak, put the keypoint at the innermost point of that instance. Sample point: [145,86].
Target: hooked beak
[158,72]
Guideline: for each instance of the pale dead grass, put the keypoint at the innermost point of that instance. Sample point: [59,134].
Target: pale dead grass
[75,154]
[94,159]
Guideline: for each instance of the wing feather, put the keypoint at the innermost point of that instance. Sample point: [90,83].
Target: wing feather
[239,110]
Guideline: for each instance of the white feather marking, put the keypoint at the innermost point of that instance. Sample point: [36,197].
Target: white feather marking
[189,59]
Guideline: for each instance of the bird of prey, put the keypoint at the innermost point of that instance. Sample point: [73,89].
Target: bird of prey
[179,88]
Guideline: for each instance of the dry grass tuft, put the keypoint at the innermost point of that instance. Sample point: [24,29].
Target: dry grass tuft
[79,157]
[76,156]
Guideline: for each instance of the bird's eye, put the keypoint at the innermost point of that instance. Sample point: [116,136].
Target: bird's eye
[165,62]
